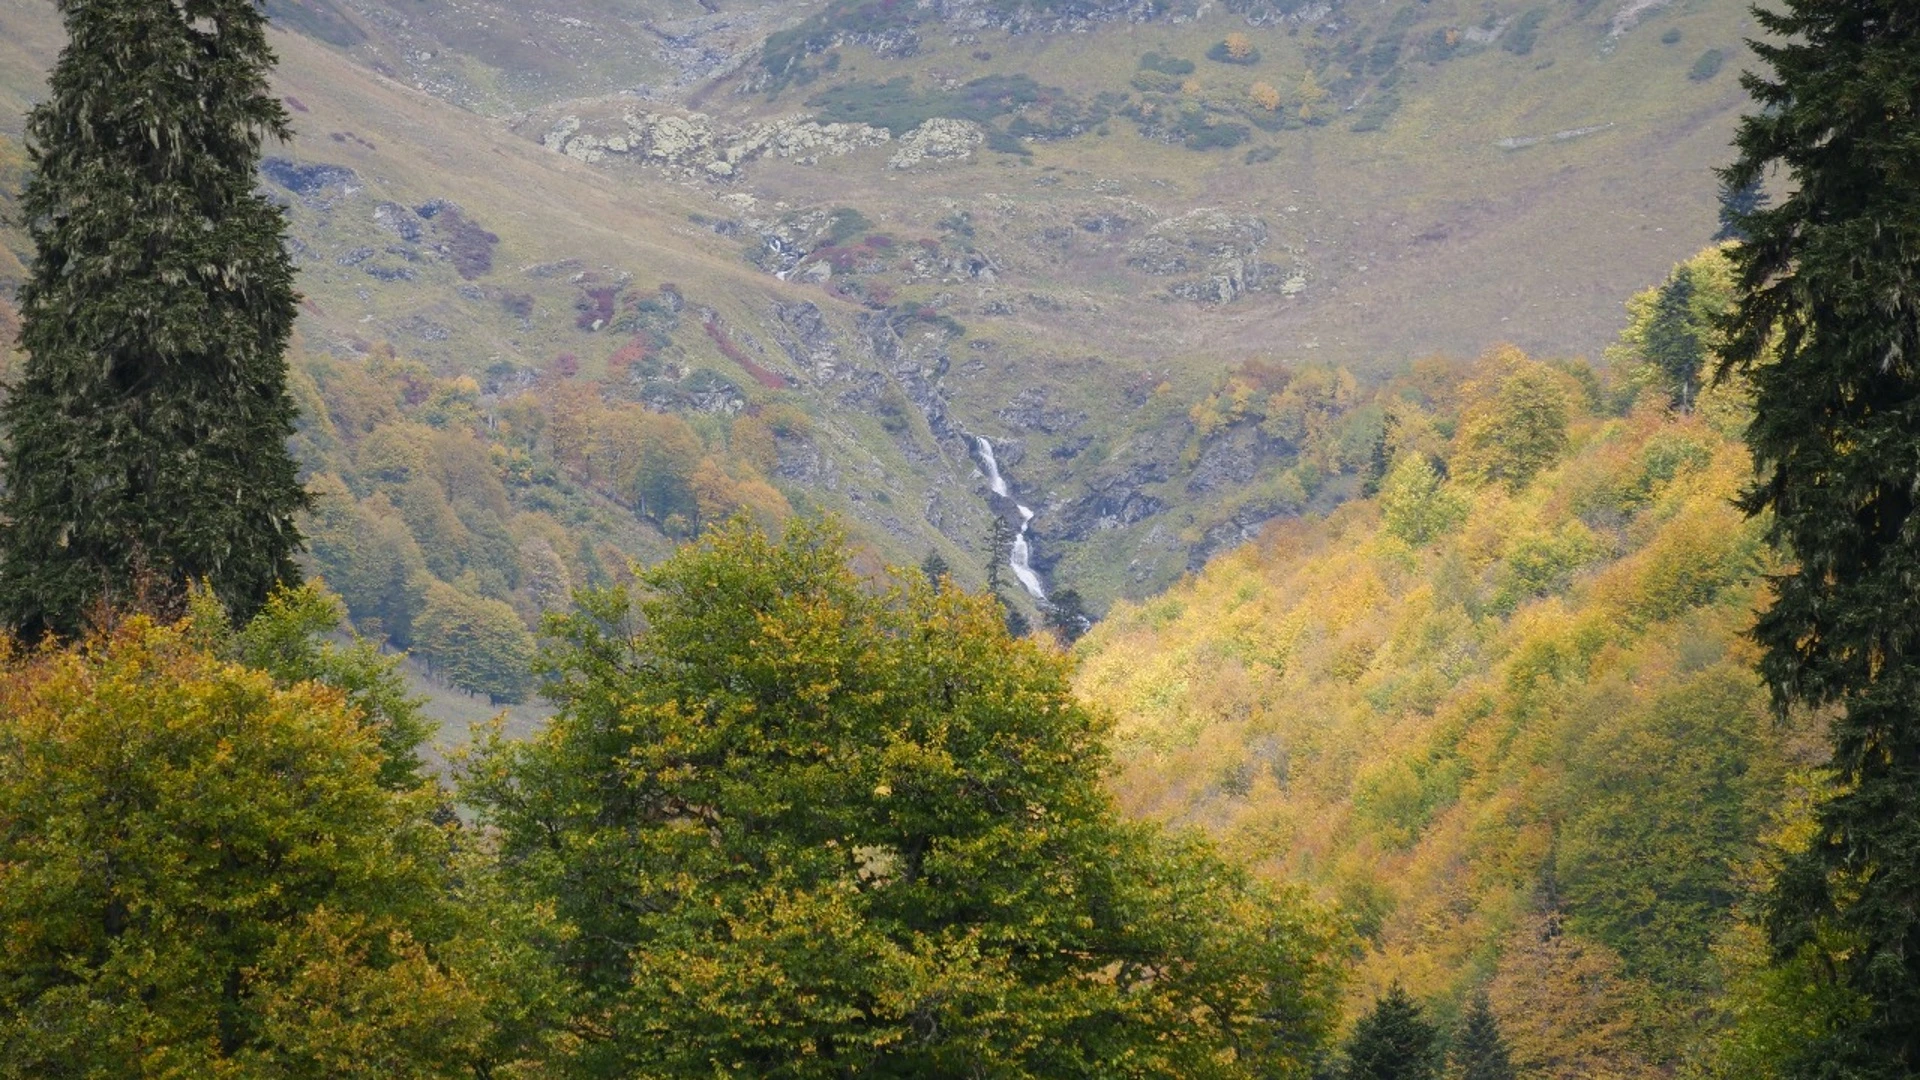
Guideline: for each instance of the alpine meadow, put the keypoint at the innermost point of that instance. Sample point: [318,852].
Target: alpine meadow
[1014,539]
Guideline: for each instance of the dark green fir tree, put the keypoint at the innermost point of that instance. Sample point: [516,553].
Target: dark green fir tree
[146,438]
[1393,1042]
[1673,342]
[1066,614]
[1000,538]
[1827,332]
[1379,459]
[1735,204]
[936,570]
[1480,1052]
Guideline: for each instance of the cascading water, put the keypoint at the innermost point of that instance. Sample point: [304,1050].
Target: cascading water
[1020,560]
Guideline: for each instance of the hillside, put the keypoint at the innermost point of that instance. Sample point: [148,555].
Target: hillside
[1510,725]
[1060,226]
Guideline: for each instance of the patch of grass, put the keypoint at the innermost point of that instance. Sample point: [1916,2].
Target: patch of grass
[1166,65]
[898,107]
[1373,115]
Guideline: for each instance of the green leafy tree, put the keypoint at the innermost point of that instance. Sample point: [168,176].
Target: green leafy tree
[1394,1041]
[796,828]
[1417,504]
[476,643]
[1825,333]
[201,874]
[147,433]
[1661,810]
[291,639]
[1480,1051]
[367,554]
[1518,429]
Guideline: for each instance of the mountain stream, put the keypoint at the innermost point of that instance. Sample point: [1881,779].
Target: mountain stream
[1021,559]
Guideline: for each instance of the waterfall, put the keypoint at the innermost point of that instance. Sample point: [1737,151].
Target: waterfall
[1020,560]
[994,480]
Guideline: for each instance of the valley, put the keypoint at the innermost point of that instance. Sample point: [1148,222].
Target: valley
[1071,277]
[1304,355]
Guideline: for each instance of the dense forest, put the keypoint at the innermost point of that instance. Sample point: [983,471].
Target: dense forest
[1504,713]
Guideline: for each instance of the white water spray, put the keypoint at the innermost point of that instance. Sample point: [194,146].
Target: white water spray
[1020,560]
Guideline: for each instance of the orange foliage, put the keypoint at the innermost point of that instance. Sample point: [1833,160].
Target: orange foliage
[1565,1007]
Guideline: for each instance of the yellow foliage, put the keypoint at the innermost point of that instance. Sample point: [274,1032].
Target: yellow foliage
[1392,725]
[1239,46]
[1311,95]
[1565,1007]
[1265,96]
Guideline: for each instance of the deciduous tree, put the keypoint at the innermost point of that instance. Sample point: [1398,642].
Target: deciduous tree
[798,829]
[1514,423]
[202,874]
[476,643]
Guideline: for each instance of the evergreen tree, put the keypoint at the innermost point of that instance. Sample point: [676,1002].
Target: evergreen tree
[147,434]
[1379,459]
[1393,1042]
[1826,333]
[1480,1052]
[1000,537]
[935,568]
[1067,615]
[1018,625]
[1735,204]
[1673,344]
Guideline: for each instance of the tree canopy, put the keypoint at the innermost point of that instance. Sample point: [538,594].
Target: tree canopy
[801,826]
[202,874]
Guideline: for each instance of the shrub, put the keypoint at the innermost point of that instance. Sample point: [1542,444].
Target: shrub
[1524,32]
[1236,49]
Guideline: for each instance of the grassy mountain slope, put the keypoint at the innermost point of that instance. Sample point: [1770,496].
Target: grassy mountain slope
[1512,729]
[1074,287]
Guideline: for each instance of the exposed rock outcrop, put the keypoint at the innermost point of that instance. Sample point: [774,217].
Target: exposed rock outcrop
[1216,254]
[696,145]
[939,139]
